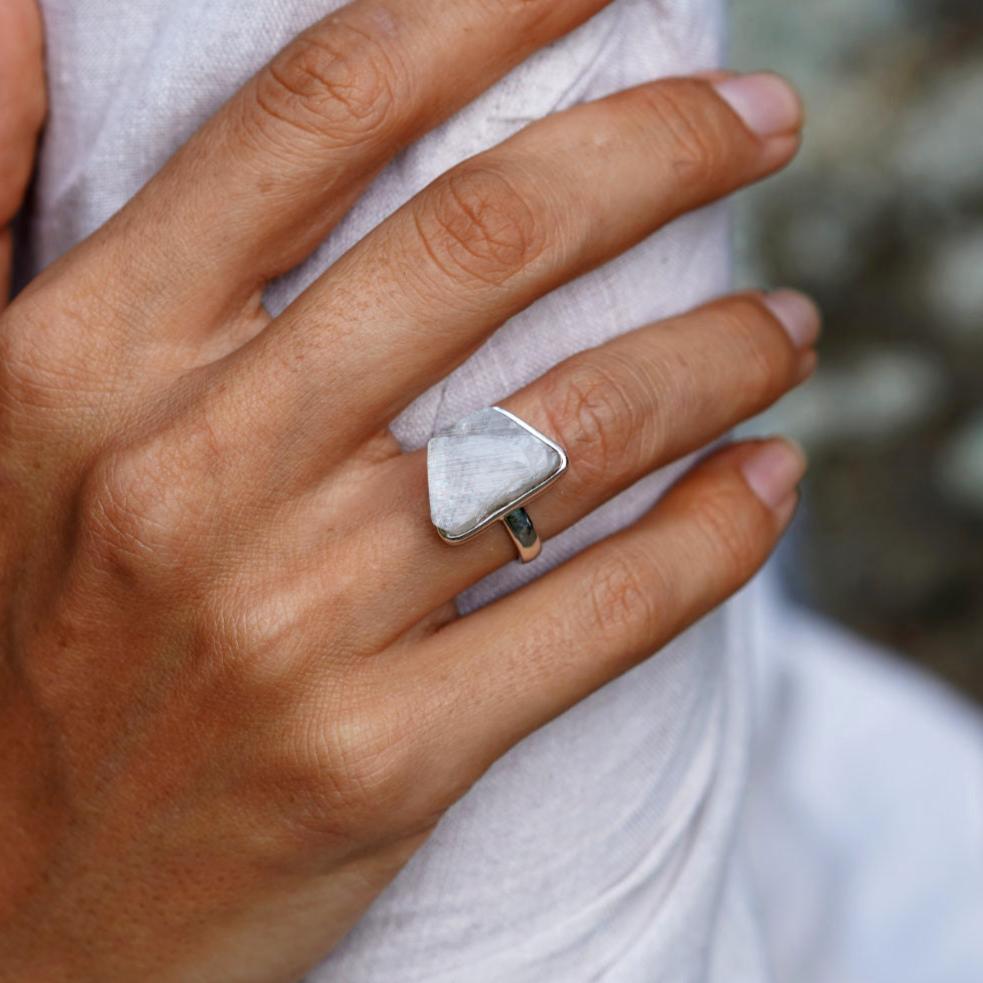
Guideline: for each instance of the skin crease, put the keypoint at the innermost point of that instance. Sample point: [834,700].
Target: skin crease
[228,716]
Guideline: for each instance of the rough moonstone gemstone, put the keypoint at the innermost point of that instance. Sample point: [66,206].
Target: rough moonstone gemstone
[482,464]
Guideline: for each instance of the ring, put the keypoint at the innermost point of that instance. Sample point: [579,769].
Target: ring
[486,469]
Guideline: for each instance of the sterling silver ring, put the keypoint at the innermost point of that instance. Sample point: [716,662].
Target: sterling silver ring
[486,469]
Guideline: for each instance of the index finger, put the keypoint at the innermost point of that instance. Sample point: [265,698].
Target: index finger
[252,193]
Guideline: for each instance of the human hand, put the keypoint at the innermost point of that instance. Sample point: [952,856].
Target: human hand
[236,696]
[22,91]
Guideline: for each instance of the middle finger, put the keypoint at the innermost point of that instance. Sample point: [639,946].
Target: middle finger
[411,301]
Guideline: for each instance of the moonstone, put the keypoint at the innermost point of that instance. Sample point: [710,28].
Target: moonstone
[483,464]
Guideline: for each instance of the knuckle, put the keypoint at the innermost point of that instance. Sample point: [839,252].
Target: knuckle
[336,84]
[592,406]
[621,595]
[477,223]
[21,371]
[256,627]
[692,140]
[366,757]
[246,634]
[50,356]
[31,373]
[135,517]
[347,777]
[727,536]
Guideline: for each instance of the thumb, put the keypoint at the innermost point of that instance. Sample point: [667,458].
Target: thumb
[22,108]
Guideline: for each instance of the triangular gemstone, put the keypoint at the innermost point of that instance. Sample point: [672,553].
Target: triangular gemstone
[485,466]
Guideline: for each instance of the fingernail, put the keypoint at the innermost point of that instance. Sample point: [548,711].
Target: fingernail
[766,103]
[797,314]
[774,471]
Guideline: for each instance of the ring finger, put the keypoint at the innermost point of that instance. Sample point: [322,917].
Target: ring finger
[621,411]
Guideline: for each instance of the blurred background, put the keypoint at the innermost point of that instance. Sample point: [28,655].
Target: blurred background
[882,220]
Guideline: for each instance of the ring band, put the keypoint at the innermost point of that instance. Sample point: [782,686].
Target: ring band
[486,469]
[522,532]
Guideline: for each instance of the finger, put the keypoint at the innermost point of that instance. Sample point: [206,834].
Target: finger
[621,411]
[496,233]
[255,190]
[486,681]
[22,88]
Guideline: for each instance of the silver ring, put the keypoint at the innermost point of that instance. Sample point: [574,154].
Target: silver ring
[486,469]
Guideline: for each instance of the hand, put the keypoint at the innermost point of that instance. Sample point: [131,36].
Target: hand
[236,696]
[22,92]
